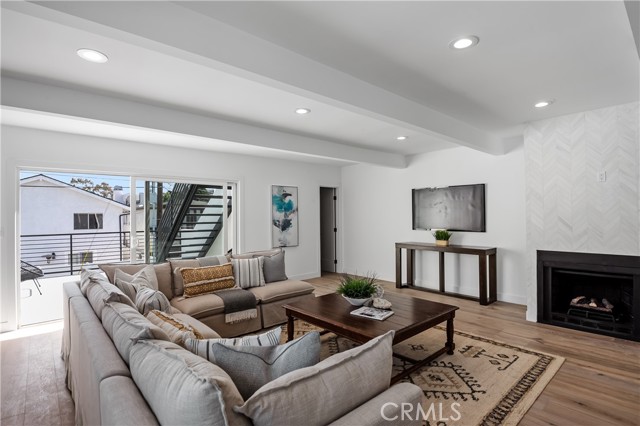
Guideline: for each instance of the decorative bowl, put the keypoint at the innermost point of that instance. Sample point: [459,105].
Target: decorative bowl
[357,302]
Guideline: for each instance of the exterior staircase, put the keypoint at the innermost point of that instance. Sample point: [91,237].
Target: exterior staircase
[191,222]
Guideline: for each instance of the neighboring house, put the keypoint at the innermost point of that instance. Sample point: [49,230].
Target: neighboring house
[64,227]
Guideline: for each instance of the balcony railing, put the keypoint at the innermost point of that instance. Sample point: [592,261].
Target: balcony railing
[67,254]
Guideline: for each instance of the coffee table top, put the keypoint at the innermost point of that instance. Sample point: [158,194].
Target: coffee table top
[411,316]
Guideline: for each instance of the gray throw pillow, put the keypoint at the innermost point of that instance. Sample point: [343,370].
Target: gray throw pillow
[273,268]
[148,299]
[251,367]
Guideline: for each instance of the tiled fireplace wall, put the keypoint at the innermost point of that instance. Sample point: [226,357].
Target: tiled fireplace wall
[567,208]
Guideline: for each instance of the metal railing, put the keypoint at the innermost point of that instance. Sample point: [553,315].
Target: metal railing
[67,254]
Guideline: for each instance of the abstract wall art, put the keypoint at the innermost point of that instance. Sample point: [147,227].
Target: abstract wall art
[284,216]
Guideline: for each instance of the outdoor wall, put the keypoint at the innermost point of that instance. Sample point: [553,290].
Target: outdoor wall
[568,208]
[36,149]
[377,214]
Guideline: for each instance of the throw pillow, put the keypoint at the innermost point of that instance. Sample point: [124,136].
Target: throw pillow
[203,347]
[148,299]
[146,277]
[176,329]
[208,279]
[273,268]
[251,367]
[248,272]
[347,379]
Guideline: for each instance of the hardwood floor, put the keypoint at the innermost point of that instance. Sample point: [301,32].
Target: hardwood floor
[599,383]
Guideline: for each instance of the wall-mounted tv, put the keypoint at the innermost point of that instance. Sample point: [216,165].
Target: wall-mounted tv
[456,208]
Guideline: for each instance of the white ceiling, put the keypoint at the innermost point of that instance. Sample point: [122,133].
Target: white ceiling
[369,71]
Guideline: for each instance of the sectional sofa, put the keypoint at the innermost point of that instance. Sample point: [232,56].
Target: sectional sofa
[123,370]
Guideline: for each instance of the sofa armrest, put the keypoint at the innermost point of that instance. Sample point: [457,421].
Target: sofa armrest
[387,408]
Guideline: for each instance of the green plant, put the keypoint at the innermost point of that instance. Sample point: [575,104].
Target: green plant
[442,234]
[355,287]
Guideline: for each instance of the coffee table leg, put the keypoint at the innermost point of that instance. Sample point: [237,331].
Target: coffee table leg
[289,327]
[450,345]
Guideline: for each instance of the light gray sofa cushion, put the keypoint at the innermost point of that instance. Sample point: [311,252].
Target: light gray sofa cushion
[100,291]
[347,379]
[125,325]
[122,404]
[251,367]
[190,390]
[162,270]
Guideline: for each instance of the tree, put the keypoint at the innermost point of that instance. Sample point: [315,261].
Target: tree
[103,189]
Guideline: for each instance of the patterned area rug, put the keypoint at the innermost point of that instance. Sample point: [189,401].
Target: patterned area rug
[483,383]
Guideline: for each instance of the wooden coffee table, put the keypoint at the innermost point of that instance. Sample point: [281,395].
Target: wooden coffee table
[411,316]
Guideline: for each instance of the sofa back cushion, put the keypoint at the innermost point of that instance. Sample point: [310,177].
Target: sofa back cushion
[162,281]
[190,390]
[252,254]
[178,282]
[100,291]
[125,325]
[347,379]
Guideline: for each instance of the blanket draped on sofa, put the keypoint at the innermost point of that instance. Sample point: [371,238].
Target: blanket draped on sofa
[239,305]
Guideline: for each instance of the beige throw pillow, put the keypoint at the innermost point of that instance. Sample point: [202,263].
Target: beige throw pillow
[176,329]
[208,279]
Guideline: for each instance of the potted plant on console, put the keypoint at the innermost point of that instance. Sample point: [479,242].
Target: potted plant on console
[442,237]
[359,290]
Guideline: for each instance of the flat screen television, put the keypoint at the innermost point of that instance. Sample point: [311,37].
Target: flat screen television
[455,208]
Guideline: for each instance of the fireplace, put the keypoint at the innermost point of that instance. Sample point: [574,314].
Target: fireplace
[599,293]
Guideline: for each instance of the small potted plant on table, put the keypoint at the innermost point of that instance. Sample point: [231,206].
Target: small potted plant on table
[358,290]
[442,237]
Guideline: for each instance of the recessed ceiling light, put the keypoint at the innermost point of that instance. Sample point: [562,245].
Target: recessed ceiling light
[92,56]
[402,138]
[303,111]
[543,104]
[464,42]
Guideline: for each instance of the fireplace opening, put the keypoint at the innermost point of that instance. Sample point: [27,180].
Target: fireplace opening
[590,292]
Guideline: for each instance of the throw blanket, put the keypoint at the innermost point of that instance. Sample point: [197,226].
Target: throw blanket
[239,305]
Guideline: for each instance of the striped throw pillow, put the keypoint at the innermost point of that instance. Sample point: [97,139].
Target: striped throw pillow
[248,272]
[208,279]
[148,299]
[203,347]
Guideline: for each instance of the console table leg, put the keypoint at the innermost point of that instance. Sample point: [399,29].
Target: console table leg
[482,271]
[450,345]
[411,257]
[398,267]
[493,290]
[441,270]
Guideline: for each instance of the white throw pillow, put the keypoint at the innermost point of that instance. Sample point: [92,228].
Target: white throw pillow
[202,347]
[248,272]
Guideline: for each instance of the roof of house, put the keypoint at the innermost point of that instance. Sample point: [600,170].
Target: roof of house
[61,184]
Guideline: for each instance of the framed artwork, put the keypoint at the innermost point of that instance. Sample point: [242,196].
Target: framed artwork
[284,216]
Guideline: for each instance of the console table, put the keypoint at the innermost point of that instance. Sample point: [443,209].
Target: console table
[486,255]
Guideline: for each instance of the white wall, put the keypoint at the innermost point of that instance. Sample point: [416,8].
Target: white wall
[377,214]
[36,149]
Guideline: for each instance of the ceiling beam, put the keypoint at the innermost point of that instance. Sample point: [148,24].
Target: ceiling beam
[44,98]
[201,39]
